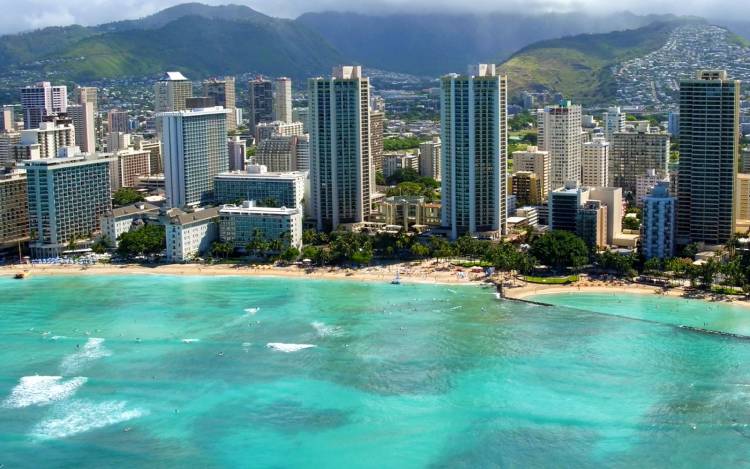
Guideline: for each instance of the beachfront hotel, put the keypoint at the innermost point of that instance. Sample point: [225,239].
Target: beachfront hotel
[340,160]
[189,234]
[709,157]
[560,134]
[14,213]
[286,188]
[659,228]
[195,152]
[474,152]
[238,224]
[67,197]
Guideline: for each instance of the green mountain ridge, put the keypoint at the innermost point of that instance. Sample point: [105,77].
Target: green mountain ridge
[579,66]
[197,39]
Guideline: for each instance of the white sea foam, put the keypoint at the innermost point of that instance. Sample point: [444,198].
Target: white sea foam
[324,330]
[92,350]
[42,390]
[80,416]
[190,341]
[58,337]
[246,344]
[251,311]
[287,348]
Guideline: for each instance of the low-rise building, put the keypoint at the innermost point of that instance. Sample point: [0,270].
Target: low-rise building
[527,188]
[129,166]
[124,219]
[190,234]
[407,212]
[591,223]
[239,224]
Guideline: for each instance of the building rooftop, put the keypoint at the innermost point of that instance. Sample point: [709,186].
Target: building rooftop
[179,217]
[133,209]
[239,174]
[248,207]
[172,76]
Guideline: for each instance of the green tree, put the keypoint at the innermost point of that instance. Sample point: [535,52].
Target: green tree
[147,240]
[221,250]
[440,248]
[101,245]
[380,179]
[560,249]
[653,266]
[269,202]
[290,254]
[619,263]
[126,196]
[400,143]
[419,250]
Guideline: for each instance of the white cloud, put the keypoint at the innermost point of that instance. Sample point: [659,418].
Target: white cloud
[19,15]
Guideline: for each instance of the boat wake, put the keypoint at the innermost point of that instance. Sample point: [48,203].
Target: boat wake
[42,390]
[288,348]
[92,350]
[79,416]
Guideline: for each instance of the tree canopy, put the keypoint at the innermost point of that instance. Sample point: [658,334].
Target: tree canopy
[126,196]
[560,249]
[144,241]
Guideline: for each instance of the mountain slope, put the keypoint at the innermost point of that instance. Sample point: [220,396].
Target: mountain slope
[579,66]
[198,39]
[434,44]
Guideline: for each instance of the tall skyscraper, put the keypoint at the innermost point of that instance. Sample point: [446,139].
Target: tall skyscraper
[261,102]
[595,163]
[538,162]
[237,149]
[474,160]
[633,153]
[87,94]
[658,229]
[282,99]
[340,160]
[42,100]
[67,197]
[118,121]
[7,119]
[170,92]
[429,158]
[195,152]
[560,135]
[84,122]
[223,93]
[709,157]
[377,123]
[614,121]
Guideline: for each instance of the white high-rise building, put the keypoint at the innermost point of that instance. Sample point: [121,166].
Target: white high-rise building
[46,140]
[538,162]
[429,158]
[614,121]
[85,125]
[195,152]
[340,159]
[237,148]
[560,135]
[282,99]
[595,163]
[474,160]
[644,183]
[67,198]
[41,100]
[659,228]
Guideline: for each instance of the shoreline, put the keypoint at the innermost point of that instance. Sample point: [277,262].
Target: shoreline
[410,273]
[527,291]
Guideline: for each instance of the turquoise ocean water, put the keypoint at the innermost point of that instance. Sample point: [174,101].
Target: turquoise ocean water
[162,371]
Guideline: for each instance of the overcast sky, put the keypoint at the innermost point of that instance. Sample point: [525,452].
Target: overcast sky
[20,15]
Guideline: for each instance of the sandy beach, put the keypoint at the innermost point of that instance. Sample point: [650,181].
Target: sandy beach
[428,272]
[528,290]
